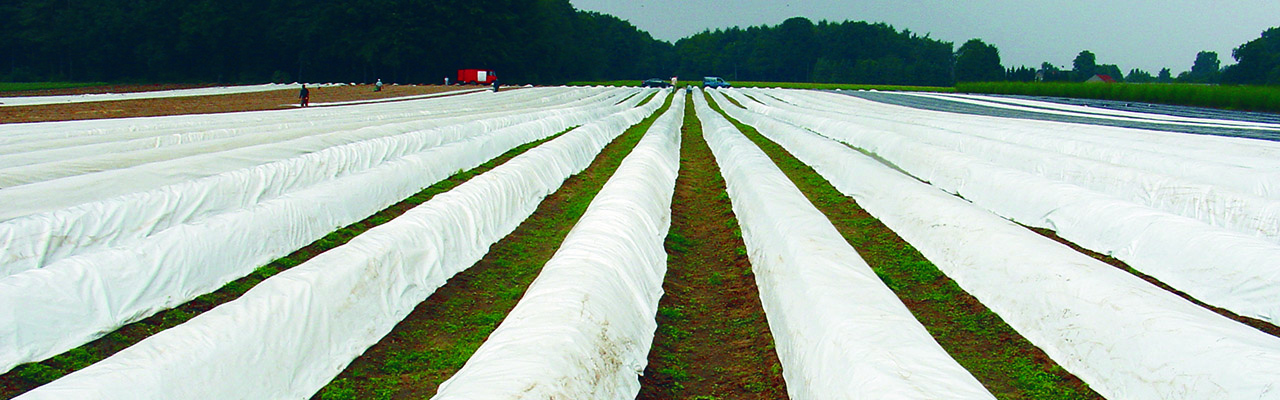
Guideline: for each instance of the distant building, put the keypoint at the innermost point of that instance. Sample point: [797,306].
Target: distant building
[1101,79]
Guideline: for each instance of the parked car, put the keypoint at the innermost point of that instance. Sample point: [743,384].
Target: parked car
[714,82]
[655,82]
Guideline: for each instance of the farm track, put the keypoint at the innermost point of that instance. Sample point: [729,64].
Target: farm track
[260,101]
[713,341]
[441,333]
[1006,363]
[30,376]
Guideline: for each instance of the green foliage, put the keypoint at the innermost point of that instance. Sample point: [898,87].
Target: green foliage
[1258,61]
[1084,66]
[800,51]
[1206,68]
[1252,98]
[410,41]
[977,61]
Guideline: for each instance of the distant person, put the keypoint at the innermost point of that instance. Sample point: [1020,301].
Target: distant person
[673,82]
[446,81]
[495,86]
[305,95]
[377,87]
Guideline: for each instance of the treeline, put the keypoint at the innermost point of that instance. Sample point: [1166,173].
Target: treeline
[827,52]
[543,41]
[526,41]
[1257,63]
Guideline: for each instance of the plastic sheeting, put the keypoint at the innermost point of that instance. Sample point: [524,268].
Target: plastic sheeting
[43,238]
[291,334]
[211,91]
[1223,268]
[1126,338]
[247,144]
[840,333]
[1236,163]
[1067,109]
[83,297]
[1211,203]
[584,326]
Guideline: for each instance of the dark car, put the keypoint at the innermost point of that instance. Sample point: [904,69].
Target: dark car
[655,82]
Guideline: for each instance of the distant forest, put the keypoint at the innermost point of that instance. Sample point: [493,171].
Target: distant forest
[525,41]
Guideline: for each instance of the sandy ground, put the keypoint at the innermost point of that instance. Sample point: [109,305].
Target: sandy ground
[273,100]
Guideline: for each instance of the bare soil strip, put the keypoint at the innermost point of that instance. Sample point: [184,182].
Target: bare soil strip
[1005,362]
[713,341]
[438,337]
[30,376]
[260,101]
[1258,324]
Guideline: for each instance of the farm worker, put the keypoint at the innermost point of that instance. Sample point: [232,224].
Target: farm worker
[495,86]
[305,95]
[377,87]
[446,81]
[673,82]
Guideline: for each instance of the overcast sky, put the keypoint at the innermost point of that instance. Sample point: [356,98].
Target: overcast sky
[1147,34]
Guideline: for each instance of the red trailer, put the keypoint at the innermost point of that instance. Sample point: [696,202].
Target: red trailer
[476,76]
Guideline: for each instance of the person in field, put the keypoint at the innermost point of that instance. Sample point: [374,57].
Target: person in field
[495,86]
[377,87]
[305,96]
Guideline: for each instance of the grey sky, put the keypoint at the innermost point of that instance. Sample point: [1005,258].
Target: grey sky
[1147,34]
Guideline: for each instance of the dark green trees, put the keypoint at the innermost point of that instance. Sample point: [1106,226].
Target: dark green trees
[1085,65]
[977,61]
[800,51]
[1258,61]
[408,41]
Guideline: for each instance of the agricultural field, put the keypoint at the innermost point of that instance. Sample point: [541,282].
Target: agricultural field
[620,242]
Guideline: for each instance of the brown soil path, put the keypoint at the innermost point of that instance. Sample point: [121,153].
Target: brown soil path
[713,341]
[260,101]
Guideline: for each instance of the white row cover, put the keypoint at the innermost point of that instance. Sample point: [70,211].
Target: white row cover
[291,334]
[1235,163]
[1223,268]
[1068,109]
[43,238]
[1213,204]
[29,136]
[1123,336]
[584,326]
[287,141]
[211,91]
[83,297]
[53,149]
[16,139]
[1215,150]
[840,333]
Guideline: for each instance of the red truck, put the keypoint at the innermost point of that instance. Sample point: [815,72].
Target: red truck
[476,76]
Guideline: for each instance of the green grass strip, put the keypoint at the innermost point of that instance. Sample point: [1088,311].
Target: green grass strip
[1247,98]
[25,86]
[1005,362]
[29,376]
[438,337]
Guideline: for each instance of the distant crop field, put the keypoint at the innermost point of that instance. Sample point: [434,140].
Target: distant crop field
[23,86]
[1246,98]
[785,85]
